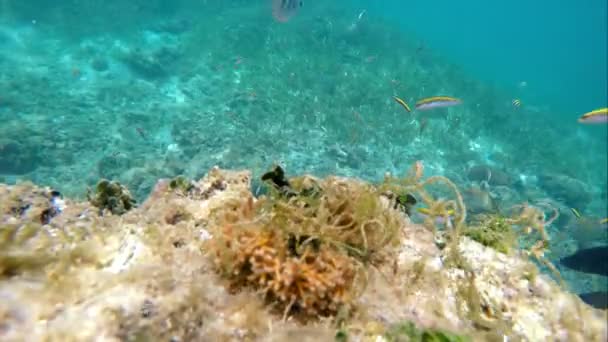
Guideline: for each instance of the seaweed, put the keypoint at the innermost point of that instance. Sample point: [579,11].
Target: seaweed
[413,184]
[111,196]
[307,244]
[494,232]
[532,219]
[181,184]
[408,331]
[341,336]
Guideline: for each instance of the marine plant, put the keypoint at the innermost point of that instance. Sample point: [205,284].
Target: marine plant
[341,336]
[181,184]
[28,244]
[437,207]
[111,196]
[306,244]
[532,219]
[493,231]
[408,331]
[447,209]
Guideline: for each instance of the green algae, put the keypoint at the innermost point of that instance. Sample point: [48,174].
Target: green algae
[111,196]
[181,184]
[494,232]
[341,336]
[408,331]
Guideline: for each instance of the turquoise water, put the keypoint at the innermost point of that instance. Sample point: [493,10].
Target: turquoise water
[142,90]
[559,49]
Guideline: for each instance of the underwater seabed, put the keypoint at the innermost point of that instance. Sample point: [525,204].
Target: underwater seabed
[178,95]
[332,259]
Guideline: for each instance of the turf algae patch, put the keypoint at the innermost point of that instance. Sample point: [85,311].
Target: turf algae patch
[127,277]
[494,232]
[111,196]
[407,331]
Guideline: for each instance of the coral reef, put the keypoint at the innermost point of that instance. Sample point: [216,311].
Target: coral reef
[334,260]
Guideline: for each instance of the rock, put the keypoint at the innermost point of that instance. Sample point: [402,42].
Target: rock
[139,276]
[155,64]
[16,158]
[569,190]
[480,173]
[99,64]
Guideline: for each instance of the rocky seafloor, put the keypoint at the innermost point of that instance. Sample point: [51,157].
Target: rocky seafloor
[210,261]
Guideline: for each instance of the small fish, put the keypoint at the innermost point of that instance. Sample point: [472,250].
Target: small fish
[403,104]
[595,116]
[370,59]
[360,16]
[516,103]
[576,213]
[141,132]
[426,211]
[604,220]
[283,10]
[437,102]
[420,47]
[590,260]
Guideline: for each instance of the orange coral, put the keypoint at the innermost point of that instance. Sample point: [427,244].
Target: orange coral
[318,281]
